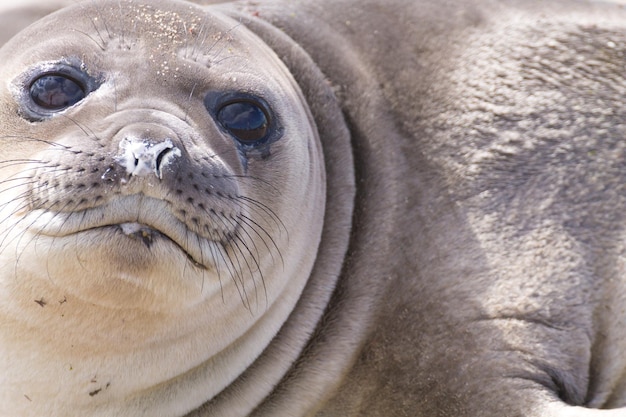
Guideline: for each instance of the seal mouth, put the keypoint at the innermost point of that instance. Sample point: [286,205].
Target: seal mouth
[141,232]
[141,218]
[148,235]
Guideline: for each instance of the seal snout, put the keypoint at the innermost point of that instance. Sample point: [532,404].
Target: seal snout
[142,157]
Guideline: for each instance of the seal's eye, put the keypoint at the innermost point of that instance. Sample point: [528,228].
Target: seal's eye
[245,120]
[56,92]
[48,88]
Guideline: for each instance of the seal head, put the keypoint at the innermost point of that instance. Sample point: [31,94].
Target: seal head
[157,163]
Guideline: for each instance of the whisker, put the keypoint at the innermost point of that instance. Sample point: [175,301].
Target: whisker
[12,227]
[36,235]
[253,226]
[224,254]
[31,139]
[239,274]
[91,38]
[252,204]
[225,221]
[15,162]
[249,177]
[222,39]
[255,260]
[215,261]
[76,236]
[190,101]
[84,128]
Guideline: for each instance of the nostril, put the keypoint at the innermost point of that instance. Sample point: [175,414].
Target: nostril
[160,157]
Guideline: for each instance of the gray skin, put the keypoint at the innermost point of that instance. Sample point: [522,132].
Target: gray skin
[474,235]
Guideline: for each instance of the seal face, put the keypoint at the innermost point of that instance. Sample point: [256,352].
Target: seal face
[156,160]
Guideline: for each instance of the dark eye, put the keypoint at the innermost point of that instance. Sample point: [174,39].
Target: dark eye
[48,88]
[55,92]
[245,120]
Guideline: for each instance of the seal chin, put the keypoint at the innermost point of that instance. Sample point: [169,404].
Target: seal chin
[121,266]
[132,250]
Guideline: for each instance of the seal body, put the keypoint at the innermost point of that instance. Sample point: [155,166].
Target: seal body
[330,208]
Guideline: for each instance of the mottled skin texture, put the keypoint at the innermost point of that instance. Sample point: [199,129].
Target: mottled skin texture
[485,271]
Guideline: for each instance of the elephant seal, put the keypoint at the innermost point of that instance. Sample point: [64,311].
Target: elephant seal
[331,208]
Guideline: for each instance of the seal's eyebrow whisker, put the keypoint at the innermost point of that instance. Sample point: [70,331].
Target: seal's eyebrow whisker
[195,45]
[123,29]
[190,101]
[100,45]
[224,39]
[232,57]
[195,37]
[102,19]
